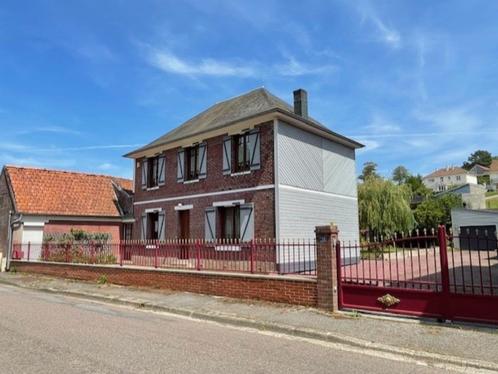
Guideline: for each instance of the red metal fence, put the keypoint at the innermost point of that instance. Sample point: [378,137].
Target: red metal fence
[257,256]
[438,275]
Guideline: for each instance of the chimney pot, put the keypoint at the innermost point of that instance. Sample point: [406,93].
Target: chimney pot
[301,102]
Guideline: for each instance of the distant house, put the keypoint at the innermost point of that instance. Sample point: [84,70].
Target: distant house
[248,167]
[473,195]
[445,178]
[46,202]
[491,171]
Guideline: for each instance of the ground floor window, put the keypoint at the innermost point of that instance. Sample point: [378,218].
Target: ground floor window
[230,222]
[153,226]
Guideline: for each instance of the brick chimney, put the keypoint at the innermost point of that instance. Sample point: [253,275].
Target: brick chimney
[301,102]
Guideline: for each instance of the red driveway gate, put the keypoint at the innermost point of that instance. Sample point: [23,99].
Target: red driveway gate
[445,276]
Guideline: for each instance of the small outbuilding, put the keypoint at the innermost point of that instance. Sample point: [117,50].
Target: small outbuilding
[475,229]
[36,203]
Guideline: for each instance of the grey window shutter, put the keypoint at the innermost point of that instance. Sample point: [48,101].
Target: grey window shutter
[227,155]
[143,229]
[202,160]
[162,170]
[254,148]
[180,165]
[162,225]
[144,174]
[247,222]
[210,224]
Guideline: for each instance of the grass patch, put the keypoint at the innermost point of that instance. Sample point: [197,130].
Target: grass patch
[491,193]
[102,279]
[492,203]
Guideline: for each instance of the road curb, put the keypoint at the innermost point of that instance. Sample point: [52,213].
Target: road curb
[426,357]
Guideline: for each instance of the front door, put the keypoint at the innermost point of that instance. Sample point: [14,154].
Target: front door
[184,220]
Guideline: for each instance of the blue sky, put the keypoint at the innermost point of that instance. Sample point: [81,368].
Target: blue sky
[83,82]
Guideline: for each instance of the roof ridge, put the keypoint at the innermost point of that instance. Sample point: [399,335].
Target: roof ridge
[41,168]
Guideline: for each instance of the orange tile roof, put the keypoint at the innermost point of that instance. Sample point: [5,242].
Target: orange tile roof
[454,170]
[54,192]
[493,166]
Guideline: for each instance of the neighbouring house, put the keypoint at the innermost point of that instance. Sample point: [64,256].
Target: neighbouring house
[491,171]
[52,202]
[473,195]
[475,229]
[449,177]
[248,167]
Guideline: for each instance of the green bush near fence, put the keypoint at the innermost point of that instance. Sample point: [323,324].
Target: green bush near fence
[78,247]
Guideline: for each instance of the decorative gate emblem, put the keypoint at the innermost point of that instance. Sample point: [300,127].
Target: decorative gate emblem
[388,300]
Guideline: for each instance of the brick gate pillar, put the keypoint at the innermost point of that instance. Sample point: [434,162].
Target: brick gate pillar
[326,267]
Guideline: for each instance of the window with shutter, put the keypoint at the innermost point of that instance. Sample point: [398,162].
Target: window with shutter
[161,223]
[210,224]
[202,160]
[145,171]
[247,222]
[227,155]
[254,150]
[242,156]
[180,163]
[230,222]
[162,171]
[143,228]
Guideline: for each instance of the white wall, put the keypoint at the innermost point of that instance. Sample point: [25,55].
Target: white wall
[316,185]
[436,184]
[32,232]
[468,217]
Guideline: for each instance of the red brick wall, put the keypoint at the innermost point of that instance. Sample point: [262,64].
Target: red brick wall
[267,288]
[215,180]
[264,213]
[57,227]
[264,200]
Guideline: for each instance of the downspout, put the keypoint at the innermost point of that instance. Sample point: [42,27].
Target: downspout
[9,237]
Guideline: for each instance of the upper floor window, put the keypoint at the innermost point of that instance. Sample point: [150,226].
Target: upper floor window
[458,178]
[153,172]
[191,163]
[441,179]
[242,152]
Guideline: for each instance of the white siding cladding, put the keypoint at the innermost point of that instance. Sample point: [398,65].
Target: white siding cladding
[300,158]
[301,211]
[316,185]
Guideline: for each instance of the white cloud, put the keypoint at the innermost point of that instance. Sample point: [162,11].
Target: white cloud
[381,125]
[51,129]
[170,63]
[96,52]
[295,68]
[385,33]
[106,166]
[370,145]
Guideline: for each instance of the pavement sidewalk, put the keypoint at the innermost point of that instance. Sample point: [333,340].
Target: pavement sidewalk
[460,345]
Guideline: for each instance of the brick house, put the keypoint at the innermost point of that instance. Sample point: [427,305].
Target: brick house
[54,202]
[248,167]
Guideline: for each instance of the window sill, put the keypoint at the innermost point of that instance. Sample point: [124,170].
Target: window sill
[152,188]
[240,173]
[228,248]
[191,181]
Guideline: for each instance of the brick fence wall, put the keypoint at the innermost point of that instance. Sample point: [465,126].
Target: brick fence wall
[282,289]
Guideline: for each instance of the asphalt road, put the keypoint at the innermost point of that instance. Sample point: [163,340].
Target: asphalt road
[44,333]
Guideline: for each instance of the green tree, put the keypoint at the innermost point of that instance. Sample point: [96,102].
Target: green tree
[417,186]
[384,207]
[480,157]
[400,174]
[436,210]
[369,171]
